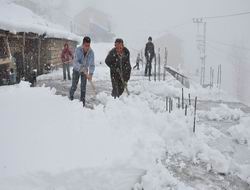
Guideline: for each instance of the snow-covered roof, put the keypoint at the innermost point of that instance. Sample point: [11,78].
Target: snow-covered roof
[15,18]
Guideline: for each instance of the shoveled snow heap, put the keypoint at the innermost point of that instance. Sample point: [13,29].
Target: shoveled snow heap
[49,139]
[15,18]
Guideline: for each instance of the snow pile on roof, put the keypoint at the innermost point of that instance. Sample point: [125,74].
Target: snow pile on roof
[15,18]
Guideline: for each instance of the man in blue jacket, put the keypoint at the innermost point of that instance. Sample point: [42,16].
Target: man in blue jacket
[83,67]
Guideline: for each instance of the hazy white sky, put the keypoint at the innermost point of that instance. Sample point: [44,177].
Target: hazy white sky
[134,20]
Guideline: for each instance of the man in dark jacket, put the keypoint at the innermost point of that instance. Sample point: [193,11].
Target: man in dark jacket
[149,54]
[118,60]
[66,56]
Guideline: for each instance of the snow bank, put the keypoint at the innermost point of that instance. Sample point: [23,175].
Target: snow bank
[44,132]
[15,18]
[222,113]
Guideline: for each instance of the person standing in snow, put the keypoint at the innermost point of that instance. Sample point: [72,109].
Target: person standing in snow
[65,57]
[138,60]
[149,54]
[12,77]
[83,67]
[118,60]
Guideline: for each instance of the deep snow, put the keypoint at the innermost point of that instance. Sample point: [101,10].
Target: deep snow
[48,142]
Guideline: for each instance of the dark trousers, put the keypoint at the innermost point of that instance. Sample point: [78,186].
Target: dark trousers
[66,68]
[148,66]
[76,76]
[117,85]
[137,66]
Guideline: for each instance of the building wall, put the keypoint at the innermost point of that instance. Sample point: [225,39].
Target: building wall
[51,49]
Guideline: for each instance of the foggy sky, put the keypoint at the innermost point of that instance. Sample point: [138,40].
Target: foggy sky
[135,20]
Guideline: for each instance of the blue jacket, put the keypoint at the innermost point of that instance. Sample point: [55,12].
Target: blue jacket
[84,63]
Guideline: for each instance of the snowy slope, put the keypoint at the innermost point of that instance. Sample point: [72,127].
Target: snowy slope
[15,18]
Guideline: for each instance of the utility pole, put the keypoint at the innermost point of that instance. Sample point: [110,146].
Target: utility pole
[201,40]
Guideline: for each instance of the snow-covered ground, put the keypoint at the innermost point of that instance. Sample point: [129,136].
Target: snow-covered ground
[49,142]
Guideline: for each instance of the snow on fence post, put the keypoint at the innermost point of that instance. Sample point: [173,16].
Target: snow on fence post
[195,107]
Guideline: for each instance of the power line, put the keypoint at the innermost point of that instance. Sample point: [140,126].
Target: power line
[229,45]
[225,16]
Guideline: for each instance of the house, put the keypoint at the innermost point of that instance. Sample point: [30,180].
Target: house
[95,24]
[28,42]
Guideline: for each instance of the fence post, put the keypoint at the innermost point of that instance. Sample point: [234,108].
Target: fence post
[155,68]
[167,103]
[159,64]
[182,98]
[195,107]
[179,103]
[165,64]
[189,99]
[186,109]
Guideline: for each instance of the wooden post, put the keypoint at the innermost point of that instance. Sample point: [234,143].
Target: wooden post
[23,56]
[195,107]
[8,47]
[142,58]
[182,98]
[167,103]
[39,57]
[179,103]
[189,99]
[159,64]
[171,104]
[186,109]
[155,69]
[165,65]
